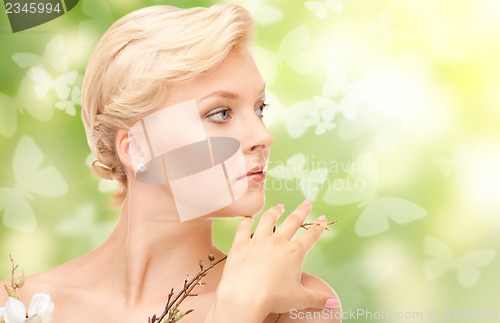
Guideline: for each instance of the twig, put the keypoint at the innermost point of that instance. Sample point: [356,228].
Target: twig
[172,305]
[13,272]
[323,224]
[171,308]
[16,282]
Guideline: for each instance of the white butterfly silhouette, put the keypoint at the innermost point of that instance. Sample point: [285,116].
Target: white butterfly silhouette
[386,135]
[388,35]
[340,97]
[44,82]
[326,109]
[321,115]
[360,187]
[84,223]
[321,8]
[296,169]
[30,179]
[337,85]
[264,13]
[26,100]
[101,17]
[296,118]
[292,52]
[69,106]
[336,82]
[54,56]
[447,165]
[466,266]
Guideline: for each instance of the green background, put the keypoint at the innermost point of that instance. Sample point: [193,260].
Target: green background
[385,113]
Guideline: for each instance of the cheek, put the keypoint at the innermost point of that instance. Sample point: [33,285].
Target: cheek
[249,204]
[227,129]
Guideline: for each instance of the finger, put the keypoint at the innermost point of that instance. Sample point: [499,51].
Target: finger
[268,221]
[319,300]
[293,222]
[309,238]
[242,234]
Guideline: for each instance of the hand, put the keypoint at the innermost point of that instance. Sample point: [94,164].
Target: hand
[262,274]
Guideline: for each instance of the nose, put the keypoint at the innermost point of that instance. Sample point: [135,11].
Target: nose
[256,136]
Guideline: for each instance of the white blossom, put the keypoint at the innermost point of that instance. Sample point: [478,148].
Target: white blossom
[41,310]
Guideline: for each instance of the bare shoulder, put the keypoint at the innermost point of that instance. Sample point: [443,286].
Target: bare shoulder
[3,293]
[55,282]
[22,293]
[312,315]
[34,284]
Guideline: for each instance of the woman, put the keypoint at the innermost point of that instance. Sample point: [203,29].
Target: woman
[149,68]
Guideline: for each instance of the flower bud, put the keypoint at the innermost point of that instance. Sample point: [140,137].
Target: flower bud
[19,279]
[178,316]
[10,291]
[211,257]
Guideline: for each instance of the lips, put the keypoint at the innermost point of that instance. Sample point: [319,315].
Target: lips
[257,174]
[256,170]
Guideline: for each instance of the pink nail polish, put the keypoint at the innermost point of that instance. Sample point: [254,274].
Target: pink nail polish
[322,218]
[307,202]
[331,303]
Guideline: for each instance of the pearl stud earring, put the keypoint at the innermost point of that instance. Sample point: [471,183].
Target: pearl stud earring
[141,167]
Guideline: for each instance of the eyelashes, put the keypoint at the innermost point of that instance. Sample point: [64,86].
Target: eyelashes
[223,114]
[220,115]
[261,110]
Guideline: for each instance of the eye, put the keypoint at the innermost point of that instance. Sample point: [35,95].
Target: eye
[219,115]
[260,110]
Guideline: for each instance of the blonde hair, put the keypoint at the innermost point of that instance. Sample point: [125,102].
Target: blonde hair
[139,57]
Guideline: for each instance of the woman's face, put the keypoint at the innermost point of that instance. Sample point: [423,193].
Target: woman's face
[231,103]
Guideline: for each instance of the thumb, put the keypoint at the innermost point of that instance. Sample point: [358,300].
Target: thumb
[320,300]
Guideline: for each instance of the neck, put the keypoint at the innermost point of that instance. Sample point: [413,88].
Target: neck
[155,251]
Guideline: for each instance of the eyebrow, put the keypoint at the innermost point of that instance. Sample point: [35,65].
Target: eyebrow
[227,95]
[224,94]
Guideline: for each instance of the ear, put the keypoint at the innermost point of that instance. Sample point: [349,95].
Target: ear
[130,150]
[122,144]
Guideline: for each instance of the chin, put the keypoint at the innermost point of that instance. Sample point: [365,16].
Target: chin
[251,203]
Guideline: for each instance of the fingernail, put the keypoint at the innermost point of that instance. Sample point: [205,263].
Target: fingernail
[307,202]
[247,217]
[322,218]
[281,206]
[331,303]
